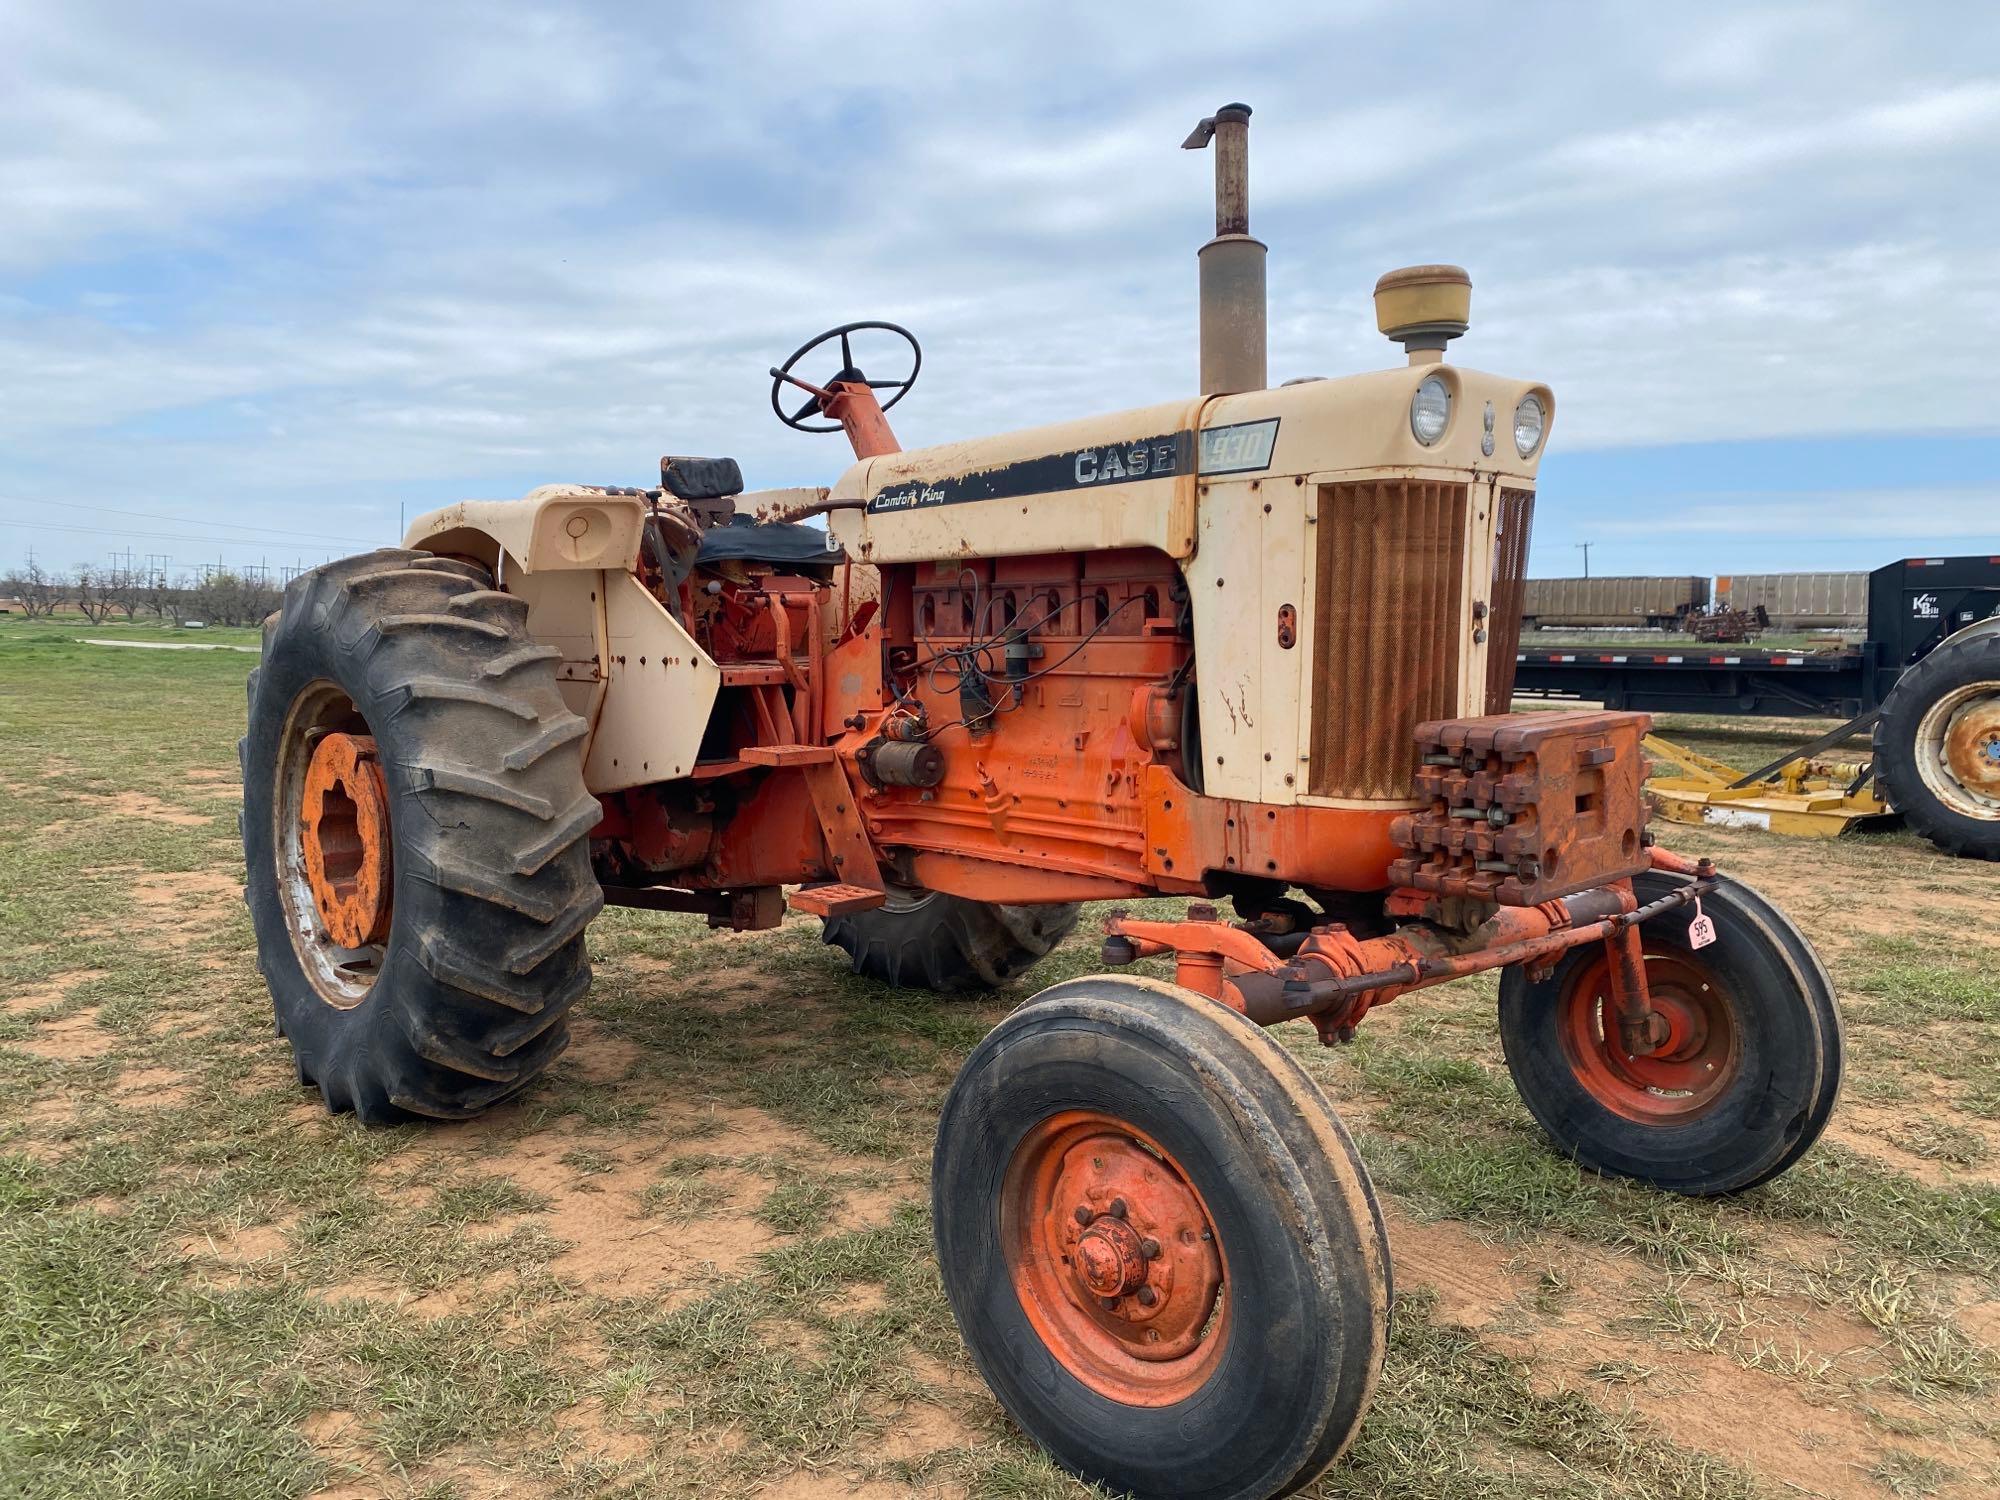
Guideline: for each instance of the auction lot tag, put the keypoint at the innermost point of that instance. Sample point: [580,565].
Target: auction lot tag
[1701,931]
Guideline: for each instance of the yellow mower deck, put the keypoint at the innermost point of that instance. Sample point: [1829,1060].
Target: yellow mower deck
[1807,799]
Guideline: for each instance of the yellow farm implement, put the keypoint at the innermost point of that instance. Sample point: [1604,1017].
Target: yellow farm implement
[1805,798]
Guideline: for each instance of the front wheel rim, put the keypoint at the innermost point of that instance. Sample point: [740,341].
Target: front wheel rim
[1115,1259]
[1688,1074]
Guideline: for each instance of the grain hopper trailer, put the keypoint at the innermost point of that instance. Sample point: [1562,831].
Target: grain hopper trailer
[1235,648]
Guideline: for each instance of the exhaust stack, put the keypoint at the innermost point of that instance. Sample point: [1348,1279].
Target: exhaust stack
[1232,264]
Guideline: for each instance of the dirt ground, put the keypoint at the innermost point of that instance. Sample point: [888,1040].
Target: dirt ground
[696,1259]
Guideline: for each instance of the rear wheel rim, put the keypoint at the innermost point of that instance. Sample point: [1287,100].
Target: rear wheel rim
[1958,750]
[1691,1070]
[331,845]
[1115,1258]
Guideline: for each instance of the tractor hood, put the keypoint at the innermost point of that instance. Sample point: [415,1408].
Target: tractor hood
[1131,479]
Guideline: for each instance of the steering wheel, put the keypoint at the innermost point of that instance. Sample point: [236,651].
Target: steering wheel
[782,375]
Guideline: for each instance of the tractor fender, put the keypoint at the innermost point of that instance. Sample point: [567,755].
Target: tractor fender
[1988,626]
[627,666]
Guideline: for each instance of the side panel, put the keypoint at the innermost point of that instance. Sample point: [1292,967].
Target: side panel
[660,689]
[563,612]
[1249,564]
[627,667]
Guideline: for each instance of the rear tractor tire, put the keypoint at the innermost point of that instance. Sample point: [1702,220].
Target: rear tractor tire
[415,834]
[929,940]
[1937,747]
[1746,1080]
[1159,1244]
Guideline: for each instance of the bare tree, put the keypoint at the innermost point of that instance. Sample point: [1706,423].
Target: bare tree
[90,589]
[127,591]
[224,598]
[39,591]
[167,600]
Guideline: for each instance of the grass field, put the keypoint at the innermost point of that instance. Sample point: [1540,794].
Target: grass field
[695,1260]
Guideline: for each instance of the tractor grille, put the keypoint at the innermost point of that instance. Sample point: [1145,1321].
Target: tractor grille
[1509,596]
[1385,631]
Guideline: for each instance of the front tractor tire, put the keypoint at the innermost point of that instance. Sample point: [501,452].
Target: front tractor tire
[1159,1244]
[1746,1080]
[929,940]
[1937,746]
[415,833]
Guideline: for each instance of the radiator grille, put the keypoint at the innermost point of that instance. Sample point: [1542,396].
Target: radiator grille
[1386,629]
[1509,596]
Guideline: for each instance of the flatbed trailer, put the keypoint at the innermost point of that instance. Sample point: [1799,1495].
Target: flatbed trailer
[1912,606]
[1925,685]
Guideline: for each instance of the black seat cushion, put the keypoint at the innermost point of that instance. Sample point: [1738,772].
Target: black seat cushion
[779,543]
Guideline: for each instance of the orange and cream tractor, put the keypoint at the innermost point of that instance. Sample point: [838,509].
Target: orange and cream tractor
[1254,648]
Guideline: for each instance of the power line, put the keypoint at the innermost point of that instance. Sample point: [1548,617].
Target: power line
[142,515]
[170,536]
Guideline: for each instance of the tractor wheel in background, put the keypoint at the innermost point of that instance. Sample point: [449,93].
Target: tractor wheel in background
[932,941]
[1937,747]
[415,832]
[1746,1080]
[1159,1244]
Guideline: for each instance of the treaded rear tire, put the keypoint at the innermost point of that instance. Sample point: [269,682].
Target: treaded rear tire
[1954,665]
[489,819]
[928,940]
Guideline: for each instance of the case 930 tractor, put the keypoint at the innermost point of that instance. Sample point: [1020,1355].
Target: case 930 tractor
[1252,647]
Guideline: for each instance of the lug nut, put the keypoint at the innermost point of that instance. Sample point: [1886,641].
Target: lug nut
[1110,1303]
[1117,1208]
[1083,1214]
[1149,1249]
[1147,1296]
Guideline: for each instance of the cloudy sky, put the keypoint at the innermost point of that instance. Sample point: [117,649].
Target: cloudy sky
[270,273]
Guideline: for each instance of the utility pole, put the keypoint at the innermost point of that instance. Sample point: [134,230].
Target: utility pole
[1584,548]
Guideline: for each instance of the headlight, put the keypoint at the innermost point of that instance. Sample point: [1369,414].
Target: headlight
[1430,410]
[1528,422]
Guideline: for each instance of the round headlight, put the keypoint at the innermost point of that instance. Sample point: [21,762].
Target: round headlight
[1528,423]
[1430,410]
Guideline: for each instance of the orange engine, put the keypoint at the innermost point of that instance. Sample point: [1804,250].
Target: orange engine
[1018,729]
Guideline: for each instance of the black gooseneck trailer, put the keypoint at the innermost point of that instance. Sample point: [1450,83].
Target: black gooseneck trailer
[1912,606]
[1938,766]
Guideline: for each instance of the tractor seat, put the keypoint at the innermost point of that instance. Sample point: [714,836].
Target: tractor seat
[782,544]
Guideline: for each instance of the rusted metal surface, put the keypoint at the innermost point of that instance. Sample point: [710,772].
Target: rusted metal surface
[835,900]
[1115,1258]
[1334,978]
[1233,303]
[750,910]
[1514,529]
[1673,1060]
[1390,564]
[1524,808]
[1726,625]
[1971,749]
[854,407]
[1189,835]
[345,839]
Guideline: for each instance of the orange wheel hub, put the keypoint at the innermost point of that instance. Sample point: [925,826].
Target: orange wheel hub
[344,837]
[1114,1257]
[1692,1066]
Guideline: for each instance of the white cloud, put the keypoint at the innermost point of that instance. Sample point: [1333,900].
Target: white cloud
[446,249]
